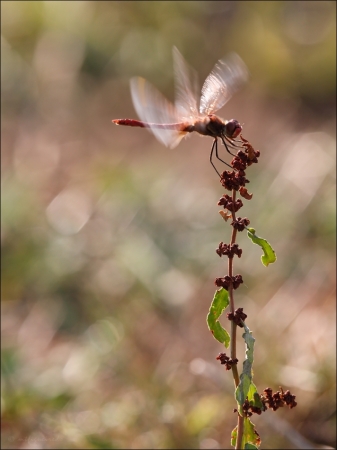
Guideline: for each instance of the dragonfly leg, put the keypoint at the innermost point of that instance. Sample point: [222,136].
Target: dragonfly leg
[214,146]
[234,143]
[225,144]
[218,157]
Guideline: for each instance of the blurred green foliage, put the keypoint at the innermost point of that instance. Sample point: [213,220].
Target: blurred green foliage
[108,239]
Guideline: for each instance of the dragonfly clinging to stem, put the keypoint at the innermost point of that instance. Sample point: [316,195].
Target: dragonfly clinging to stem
[170,123]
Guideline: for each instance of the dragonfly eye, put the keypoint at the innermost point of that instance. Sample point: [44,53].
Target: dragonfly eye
[233,129]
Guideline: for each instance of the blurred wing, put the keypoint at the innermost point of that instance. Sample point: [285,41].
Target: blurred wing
[153,108]
[186,88]
[225,79]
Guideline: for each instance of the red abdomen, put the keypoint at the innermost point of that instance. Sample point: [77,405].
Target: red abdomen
[131,123]
[166,126]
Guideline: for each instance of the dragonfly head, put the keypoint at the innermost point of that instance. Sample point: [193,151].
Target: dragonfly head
[232,129]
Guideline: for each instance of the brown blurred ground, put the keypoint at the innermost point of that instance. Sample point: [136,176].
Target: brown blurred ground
[108,238]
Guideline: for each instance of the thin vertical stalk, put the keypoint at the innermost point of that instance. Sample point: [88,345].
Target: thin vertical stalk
[233,329]
[231,302]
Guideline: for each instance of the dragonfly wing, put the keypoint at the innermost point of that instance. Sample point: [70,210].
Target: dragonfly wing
[186,88]
[225,79]
[153,108]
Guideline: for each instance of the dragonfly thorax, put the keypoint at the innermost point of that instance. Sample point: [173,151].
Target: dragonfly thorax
[214,126]
[210,126]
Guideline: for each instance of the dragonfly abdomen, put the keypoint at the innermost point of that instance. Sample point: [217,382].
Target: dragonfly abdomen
[165,126]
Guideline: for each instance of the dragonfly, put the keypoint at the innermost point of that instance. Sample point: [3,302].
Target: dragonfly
[171,122]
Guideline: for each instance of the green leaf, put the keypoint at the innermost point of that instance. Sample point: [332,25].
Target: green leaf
[247,389]
[250,437]
[246,384]
[269,255]
[219,304]
[234,436]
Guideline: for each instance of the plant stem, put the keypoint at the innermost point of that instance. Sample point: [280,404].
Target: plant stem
[233,329]
[231,302]
[239,433]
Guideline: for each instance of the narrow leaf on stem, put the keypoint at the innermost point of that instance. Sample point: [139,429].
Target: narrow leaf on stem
[269,255]
[219,304]
[250,438]
[246,386]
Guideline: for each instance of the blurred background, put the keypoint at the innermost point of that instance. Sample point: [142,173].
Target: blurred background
[108,238]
